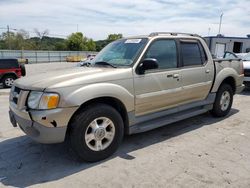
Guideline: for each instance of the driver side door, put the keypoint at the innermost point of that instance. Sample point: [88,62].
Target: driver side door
[159,89]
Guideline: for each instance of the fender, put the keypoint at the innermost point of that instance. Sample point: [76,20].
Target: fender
[89,92]
[222,75]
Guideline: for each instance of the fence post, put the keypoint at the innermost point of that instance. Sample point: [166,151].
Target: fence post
[60,55]
[49,56]
[36,55]
[22,57]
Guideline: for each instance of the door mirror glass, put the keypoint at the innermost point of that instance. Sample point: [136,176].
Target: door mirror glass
[147,64]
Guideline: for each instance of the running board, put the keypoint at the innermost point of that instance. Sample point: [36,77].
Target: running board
[165,120]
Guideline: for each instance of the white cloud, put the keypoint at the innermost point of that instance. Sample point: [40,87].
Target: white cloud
[97,19]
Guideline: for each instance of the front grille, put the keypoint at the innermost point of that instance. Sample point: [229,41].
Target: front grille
[16,94]
[247,72]
[19,96]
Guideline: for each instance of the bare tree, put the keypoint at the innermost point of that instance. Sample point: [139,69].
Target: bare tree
[40,35]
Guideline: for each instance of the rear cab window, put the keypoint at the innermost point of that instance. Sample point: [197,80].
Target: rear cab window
[8,64]
[192,53]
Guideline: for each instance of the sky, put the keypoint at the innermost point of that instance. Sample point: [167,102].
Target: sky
[98,18]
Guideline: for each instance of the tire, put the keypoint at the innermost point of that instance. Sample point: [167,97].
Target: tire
[83,127]
[222,106]
[8,80]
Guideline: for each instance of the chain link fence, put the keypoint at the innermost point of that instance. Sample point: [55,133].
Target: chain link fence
[42,56]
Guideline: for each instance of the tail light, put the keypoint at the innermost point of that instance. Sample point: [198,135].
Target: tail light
[18,71]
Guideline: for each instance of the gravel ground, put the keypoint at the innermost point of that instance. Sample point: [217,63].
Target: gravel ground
[198,152]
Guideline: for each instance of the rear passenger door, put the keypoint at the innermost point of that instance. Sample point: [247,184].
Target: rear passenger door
[197,74]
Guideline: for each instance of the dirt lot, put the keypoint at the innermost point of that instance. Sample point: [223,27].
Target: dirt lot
[198,152]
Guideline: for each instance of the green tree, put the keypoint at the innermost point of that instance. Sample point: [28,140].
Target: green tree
[9,39]
[91,45]
[113,37]
[77,42]
[15,41]
[2,44]
[21,41]
[100,44]
[61,46]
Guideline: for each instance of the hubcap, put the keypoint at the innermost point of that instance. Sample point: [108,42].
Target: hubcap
[100,134]
[225,100]
[9,81]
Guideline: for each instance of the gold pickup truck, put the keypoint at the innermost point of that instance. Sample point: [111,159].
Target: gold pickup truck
[133,85]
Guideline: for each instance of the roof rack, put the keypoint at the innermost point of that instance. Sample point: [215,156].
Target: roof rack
[172,33]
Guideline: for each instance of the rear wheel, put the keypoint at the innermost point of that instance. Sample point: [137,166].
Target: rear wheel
[8,81]
[96,132]
[223,101]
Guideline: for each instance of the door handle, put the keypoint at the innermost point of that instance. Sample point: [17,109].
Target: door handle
[207,71]
[176,76]
[169,76]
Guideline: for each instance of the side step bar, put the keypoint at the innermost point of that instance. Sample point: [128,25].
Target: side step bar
[165,120]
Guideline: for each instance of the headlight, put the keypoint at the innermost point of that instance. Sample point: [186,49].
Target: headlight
[34,99]
[42,101]
[49,101]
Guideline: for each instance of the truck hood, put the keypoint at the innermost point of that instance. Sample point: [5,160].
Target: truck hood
[71,77]
[246,64]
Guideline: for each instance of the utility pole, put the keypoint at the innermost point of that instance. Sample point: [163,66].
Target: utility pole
[220,22]
[209,29]
[8,34]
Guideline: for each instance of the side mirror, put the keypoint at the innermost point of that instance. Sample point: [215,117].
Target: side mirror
[146,64]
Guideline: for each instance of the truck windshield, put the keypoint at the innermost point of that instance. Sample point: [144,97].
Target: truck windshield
[120,53]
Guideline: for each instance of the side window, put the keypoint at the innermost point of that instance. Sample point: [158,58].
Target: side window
[12,63]
[2,64]
[165,53]
[191,54]
[203,54]
[8,63]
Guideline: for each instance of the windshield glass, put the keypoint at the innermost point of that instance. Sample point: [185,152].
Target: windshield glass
[246,57]
[121,52]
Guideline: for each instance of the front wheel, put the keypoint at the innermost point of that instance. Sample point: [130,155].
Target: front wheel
[96,132]
[223,101]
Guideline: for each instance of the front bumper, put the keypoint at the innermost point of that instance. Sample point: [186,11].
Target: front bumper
[45,126]
[37,131]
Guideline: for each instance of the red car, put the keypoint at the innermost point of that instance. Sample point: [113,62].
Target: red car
[10,70]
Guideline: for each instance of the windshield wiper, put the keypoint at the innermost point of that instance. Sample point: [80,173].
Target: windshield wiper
[104,63]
